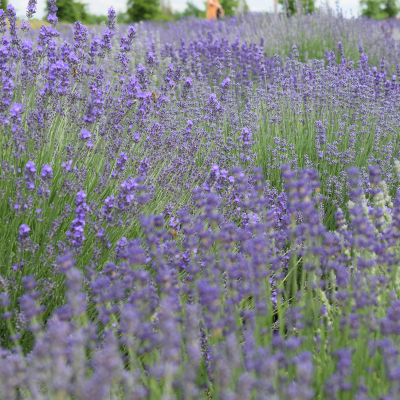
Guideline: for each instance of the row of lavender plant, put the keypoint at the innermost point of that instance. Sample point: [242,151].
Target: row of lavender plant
[276,308]
[144,256]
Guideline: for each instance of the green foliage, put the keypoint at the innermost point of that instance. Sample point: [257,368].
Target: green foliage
[294,5]
[166,11]
[191,10]
[72,11]
[379,9]
[243,6]
[139,10]
[122,18]
[3,5]
[230,6]
[92,19]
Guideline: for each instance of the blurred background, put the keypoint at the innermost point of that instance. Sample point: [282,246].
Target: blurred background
[95,11]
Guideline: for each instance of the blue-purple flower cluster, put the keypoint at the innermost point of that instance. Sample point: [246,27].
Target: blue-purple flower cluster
[198,211]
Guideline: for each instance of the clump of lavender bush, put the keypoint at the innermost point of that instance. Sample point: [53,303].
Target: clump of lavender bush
[200,212]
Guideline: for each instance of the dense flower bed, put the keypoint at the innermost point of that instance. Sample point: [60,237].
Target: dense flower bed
[201,211]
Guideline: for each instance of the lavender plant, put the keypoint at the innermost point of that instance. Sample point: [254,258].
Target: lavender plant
[186,215]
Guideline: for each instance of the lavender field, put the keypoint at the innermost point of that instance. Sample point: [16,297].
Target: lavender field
[199,210]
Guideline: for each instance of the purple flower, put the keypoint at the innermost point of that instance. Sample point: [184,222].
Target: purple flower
[85,134]
[76,232]
[66,262]
[23,232]
[80,197]
[30,168]
[80,36]
[215,171]
[320,134]
[12,19]
[3,23]
[30,173]
[188,83]
[47,172]
[67,165]
[112,17]
[52,18]
[151,59]
[25,26]
[4,300]
[224,88]
[340,47]
[15,112]
[121,161]
[31,9]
